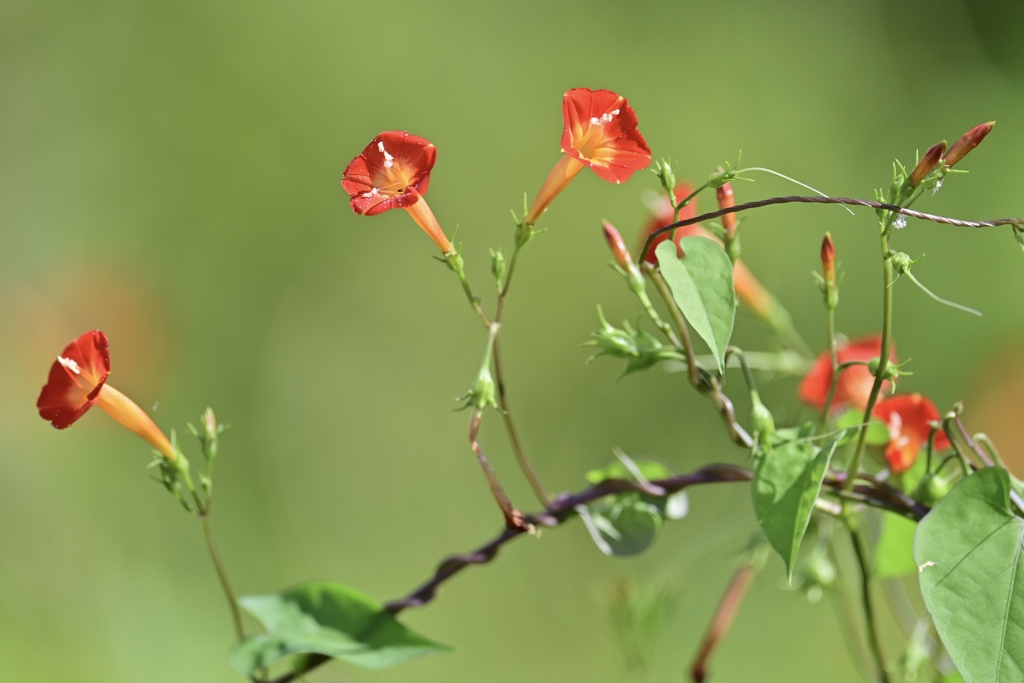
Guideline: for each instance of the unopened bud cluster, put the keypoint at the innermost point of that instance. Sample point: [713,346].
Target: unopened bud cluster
[639,349]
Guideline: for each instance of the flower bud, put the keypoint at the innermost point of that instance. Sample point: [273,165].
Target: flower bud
[726,200]
[932,488]
[967,142]
[763,422]
[663,169]
[927,163]
[482,393]
[617,245]
[829,286]
[828,260]
[622,257]
[498,265]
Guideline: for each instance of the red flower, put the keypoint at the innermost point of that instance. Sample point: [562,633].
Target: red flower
[393,173]
[855,382]
[600,132]
[908,416]
[78,379]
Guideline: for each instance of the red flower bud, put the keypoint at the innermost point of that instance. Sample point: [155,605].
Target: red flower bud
[927,163]
[828,260]
[967,142]
[617,245]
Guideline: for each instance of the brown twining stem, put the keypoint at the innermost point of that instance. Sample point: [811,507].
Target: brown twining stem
[563,508]
[720,624]
[847,201]
[513,518]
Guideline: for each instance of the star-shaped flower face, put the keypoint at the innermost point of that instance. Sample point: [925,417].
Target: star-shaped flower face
[600,130]
[392,172]
[908,418]
[855,382]
[75,380]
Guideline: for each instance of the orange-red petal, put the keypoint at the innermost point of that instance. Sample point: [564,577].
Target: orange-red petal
[381,177]
[75,380]
[601,131]
[909,418]
[855,382]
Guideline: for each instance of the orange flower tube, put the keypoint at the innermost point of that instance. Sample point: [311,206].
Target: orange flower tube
[78,379]
[393,172]
[600,133]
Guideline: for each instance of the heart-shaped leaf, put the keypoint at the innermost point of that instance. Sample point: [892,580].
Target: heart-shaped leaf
[622,526]
[786,483]
[328,619]
[701,284]
[968,553]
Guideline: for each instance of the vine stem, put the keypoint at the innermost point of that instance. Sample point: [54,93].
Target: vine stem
[563,508]
[499,378]
[883,361]
[846,201]
[869,613]
[222,576]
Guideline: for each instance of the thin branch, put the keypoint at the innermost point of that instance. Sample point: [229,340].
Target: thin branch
[562,509]
[848,201]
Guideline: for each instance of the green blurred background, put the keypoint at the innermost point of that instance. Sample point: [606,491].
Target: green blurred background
[169,174]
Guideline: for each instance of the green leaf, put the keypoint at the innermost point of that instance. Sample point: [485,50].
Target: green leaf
[328,619]
[623,526]
[968,551]
[786,483]
[894,555]
[701,284]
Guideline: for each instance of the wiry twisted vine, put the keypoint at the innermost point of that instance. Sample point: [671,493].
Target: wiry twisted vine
[1017,223]
[563,508]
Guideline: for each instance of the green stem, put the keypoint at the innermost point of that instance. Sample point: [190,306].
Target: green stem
[454,262]
[883,361]
[869,613]
[833,350]
[218,565]
[683,340]
[499,378]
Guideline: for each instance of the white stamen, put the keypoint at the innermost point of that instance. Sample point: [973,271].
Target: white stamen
[605,118]
[69,364]
[380,146]
[371,194]
[389,160]
[937,186]
[900,222]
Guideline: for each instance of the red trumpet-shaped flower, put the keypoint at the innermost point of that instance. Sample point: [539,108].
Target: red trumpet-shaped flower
[393,173]
[908,418]
[600,132]
[78,379]
[855,382]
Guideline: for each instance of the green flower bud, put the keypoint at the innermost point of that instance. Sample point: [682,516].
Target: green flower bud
[498,265]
